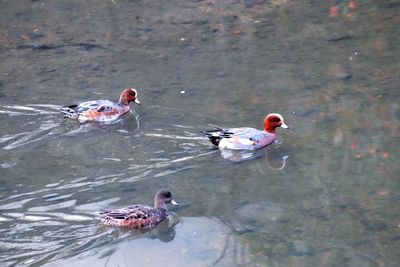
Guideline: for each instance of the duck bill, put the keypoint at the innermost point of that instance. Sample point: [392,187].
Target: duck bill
[173,202]
[137,101]
[284,126]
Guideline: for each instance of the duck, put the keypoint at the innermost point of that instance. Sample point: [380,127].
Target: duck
[246,138]
[101,110]
[140,216]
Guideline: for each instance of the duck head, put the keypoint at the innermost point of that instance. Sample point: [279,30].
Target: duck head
[272,121]
[162,198]
[128,95]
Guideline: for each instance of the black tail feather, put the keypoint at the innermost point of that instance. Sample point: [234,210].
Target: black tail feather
[215,135]
[68,109]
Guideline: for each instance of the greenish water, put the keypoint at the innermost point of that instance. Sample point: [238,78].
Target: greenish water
[332,73]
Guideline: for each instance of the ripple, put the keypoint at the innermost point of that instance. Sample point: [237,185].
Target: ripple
[75,185]
[3,219]
[7,165]
[116,175]
[35,218]
[97,205]
[143,175]
[174,137]
[16,204]
[198,240]
[15,214]
[72,217]
[168,172]
[35,192]
[62,205]
[77,180]
[113,159]
[42,132]
[34,111]
[53,184]
[56,197]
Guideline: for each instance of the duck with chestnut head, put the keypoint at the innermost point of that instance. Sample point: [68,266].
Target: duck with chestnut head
[246,138]
[101,110]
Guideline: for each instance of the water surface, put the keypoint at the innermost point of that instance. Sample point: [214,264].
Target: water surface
[324,195]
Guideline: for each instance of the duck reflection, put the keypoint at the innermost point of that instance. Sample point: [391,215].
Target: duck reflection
[200,241]
[165,230]
[274,158]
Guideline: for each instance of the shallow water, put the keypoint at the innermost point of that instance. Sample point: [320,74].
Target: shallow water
[324,195]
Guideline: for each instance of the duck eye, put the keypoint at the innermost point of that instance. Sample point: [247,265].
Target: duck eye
[167,194]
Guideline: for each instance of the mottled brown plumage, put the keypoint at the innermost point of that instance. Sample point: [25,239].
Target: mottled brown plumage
[140,216]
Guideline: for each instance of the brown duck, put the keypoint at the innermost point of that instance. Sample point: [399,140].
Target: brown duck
[140,216]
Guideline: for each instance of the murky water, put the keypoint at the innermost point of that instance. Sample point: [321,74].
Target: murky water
[325,195]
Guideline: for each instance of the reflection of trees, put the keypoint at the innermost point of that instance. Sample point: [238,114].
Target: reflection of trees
[233,252]
[341,183]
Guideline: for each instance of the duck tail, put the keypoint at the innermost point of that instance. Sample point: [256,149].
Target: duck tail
[215,135]
[69,111]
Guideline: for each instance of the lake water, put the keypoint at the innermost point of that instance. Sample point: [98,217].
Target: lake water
[326,194]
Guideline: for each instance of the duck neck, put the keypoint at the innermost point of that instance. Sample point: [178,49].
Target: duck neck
[123,101]
[269,129]
[158,204]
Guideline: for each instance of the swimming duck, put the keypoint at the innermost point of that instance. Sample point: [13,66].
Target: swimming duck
[101,110]
[246,138]
[140,216]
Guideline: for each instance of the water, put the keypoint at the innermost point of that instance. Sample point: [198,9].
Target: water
[325,195]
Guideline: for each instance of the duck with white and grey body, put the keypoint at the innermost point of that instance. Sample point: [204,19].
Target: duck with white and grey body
[246,138]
